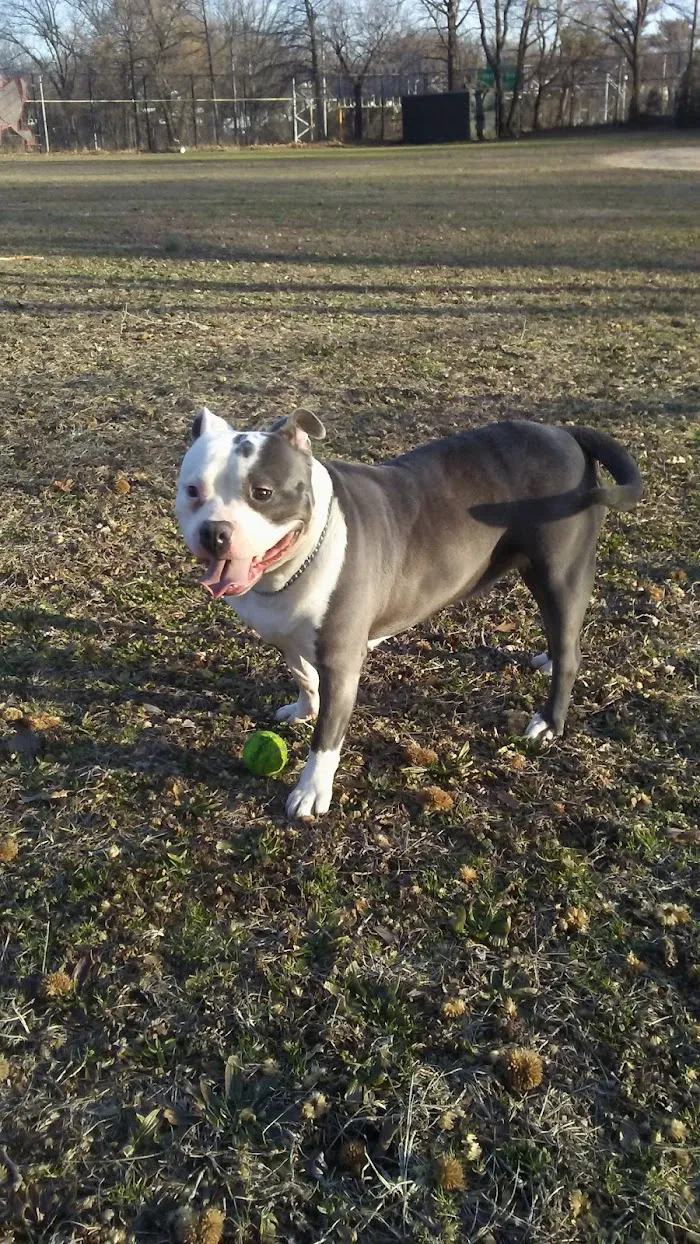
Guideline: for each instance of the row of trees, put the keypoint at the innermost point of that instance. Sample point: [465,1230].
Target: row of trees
[250,49]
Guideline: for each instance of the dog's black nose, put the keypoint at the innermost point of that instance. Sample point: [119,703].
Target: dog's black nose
[215,538]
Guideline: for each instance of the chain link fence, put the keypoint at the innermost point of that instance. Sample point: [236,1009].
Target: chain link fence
[143,116]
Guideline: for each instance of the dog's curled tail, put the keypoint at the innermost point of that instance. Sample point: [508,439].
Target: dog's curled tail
[621,465]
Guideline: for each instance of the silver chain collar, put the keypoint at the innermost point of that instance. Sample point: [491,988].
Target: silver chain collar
[304,565]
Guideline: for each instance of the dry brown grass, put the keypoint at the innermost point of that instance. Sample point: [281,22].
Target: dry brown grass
[251,1001]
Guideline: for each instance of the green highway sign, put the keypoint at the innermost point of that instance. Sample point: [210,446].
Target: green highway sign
[485,78]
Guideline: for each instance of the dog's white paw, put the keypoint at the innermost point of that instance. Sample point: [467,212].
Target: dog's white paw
[542,662]
[538,728]
[308,801]
[313,792]
[300,710]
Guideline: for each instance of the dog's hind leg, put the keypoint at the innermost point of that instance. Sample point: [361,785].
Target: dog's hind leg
[541,661]
[563,600]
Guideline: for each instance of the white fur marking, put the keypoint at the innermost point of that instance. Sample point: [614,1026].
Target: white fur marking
[542,662]
[538,729]
[301,710]
[306,707]
[290,619]
[219,473]
[313,792]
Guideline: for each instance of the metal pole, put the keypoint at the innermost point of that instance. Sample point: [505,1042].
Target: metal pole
[92,110]
[148,119]
[43,113]
[134,105]
[234,94]
[325,108]
[35,101]
[607,88]
[215,112]
[294,110]
[194,111]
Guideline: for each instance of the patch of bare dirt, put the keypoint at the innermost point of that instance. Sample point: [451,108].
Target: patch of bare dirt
[671,159]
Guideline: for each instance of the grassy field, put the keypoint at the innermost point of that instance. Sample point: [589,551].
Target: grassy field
[210,1018]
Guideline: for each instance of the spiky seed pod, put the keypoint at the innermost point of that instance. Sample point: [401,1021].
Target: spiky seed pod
[189,1227]
[56,985]
[522,1069]
[449,1173]
[414,754]
[577,920]
[9,850]
[210,1226]
[434,799]
[677,1131]
[671,914]
[352,1156]
[453,1007]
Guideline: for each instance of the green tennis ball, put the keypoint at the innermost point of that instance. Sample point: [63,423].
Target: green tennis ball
[265,753]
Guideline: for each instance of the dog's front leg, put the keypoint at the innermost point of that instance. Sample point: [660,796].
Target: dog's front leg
[338,679]
[306,675]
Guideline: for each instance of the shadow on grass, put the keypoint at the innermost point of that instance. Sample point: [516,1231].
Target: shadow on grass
[166,283]
[610,225]
[426,256]
[413,311]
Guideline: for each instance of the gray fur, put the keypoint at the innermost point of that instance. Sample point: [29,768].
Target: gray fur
[243,446]
[287,473]
[412,535]
[449,520]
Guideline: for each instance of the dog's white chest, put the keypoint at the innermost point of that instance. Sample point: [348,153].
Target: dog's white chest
[277,616]
[269,617]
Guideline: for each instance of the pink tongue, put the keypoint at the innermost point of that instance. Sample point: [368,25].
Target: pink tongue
[230,576]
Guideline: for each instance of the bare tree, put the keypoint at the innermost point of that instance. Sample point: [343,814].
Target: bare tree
[626,22]
[305,33]
[259,57]
[688,24]
[166,32]
[689,83]
[547,29]
[201,13]
[581,44]
[13,61]
[448,16]
[358,31]
[497,20]
[311,11]
[49,35]
[512,120]
[118,34]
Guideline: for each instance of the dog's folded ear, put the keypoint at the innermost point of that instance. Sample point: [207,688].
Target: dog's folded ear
[205,421]
[299,427]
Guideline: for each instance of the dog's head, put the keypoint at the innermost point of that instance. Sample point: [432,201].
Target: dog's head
[244,499]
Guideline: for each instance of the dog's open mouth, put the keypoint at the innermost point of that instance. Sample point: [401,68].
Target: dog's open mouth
[235,575]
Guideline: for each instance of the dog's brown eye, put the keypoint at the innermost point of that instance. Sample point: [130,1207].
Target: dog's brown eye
[193,491]
[261,494]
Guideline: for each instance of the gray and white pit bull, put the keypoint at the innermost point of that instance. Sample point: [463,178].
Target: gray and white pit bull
[326,559]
